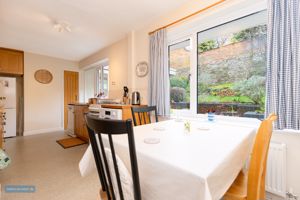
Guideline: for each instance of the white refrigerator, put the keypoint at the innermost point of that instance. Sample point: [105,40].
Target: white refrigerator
[8,96]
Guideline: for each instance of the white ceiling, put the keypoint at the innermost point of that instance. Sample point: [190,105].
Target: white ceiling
[28,24]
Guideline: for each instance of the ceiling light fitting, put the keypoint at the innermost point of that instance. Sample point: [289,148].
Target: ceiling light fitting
[62,27]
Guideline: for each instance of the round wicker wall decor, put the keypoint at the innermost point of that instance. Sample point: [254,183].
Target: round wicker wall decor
[43,76]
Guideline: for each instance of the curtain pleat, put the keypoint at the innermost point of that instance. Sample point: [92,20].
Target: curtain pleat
[283,73]
[159,84]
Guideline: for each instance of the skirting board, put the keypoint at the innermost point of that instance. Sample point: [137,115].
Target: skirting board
[39,131]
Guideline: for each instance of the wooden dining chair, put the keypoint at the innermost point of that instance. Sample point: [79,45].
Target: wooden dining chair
[109,166]
[142,115]
[251,185]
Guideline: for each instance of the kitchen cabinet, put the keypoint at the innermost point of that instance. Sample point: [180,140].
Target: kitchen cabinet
[11,62]
[80,129]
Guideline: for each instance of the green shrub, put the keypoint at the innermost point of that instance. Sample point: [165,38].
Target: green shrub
[179,81]
[207,45]
[254,88]
[177,94]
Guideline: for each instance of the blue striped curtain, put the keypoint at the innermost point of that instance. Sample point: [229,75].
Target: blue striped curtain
[283,63]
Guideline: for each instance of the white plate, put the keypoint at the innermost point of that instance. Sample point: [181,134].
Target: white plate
[203,128]
[178,120]
[159,128]
[152,140]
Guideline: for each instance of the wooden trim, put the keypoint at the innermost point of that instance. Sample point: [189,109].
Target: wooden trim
[189,16]
[8,49]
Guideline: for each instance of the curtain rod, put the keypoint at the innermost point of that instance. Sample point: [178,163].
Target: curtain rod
[186,17]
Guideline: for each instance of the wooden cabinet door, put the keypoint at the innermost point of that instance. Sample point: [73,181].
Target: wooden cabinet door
[79,122]
[70,92]
[77,129]
[11,61]
[84,130]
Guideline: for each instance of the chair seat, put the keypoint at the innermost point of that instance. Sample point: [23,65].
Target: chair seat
[238,190]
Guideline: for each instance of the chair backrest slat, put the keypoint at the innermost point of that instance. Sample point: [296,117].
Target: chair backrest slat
[142,115]
[140,118]
[115,166]
[111,189]
[98,159]
[149,116]
[134,165]
[107,170]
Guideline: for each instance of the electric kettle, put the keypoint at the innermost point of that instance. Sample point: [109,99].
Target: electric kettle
[136,98]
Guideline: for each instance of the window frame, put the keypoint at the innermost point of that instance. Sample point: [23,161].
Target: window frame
[193,91]
[181,34]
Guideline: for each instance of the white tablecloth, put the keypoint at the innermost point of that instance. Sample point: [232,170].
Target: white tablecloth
[200,165]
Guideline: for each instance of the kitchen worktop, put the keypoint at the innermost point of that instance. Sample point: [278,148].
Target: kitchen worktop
[120,106]
[78,104]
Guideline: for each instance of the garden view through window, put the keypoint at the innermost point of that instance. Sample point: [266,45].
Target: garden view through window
[179,63]
[232,67]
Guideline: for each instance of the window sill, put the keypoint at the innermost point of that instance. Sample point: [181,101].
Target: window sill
[288,131]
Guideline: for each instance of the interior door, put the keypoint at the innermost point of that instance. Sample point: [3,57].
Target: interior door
[70,92]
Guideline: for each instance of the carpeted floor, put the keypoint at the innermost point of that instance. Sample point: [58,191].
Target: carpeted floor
[38,160]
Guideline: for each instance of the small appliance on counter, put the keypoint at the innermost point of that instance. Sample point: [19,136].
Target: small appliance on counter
[107,113]
[96,109]
[136,98]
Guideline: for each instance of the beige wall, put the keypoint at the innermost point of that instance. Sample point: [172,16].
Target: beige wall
[117,54]
[43,103]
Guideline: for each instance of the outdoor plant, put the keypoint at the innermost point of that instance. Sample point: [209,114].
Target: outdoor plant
[183,83]
[249,33]
[179,81]
[254,88]
[177,94]
[207,45]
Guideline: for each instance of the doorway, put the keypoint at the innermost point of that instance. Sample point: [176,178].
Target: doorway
[71,92]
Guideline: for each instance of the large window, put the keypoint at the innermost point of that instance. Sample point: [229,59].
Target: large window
[179,66]
[96,82]
[232,67]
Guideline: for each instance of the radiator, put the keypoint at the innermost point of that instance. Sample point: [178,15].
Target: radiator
[276,169]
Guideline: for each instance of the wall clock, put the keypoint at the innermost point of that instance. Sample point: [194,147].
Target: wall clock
[43,76]
[142,69]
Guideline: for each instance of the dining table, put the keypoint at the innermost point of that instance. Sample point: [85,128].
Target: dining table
[187,158]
